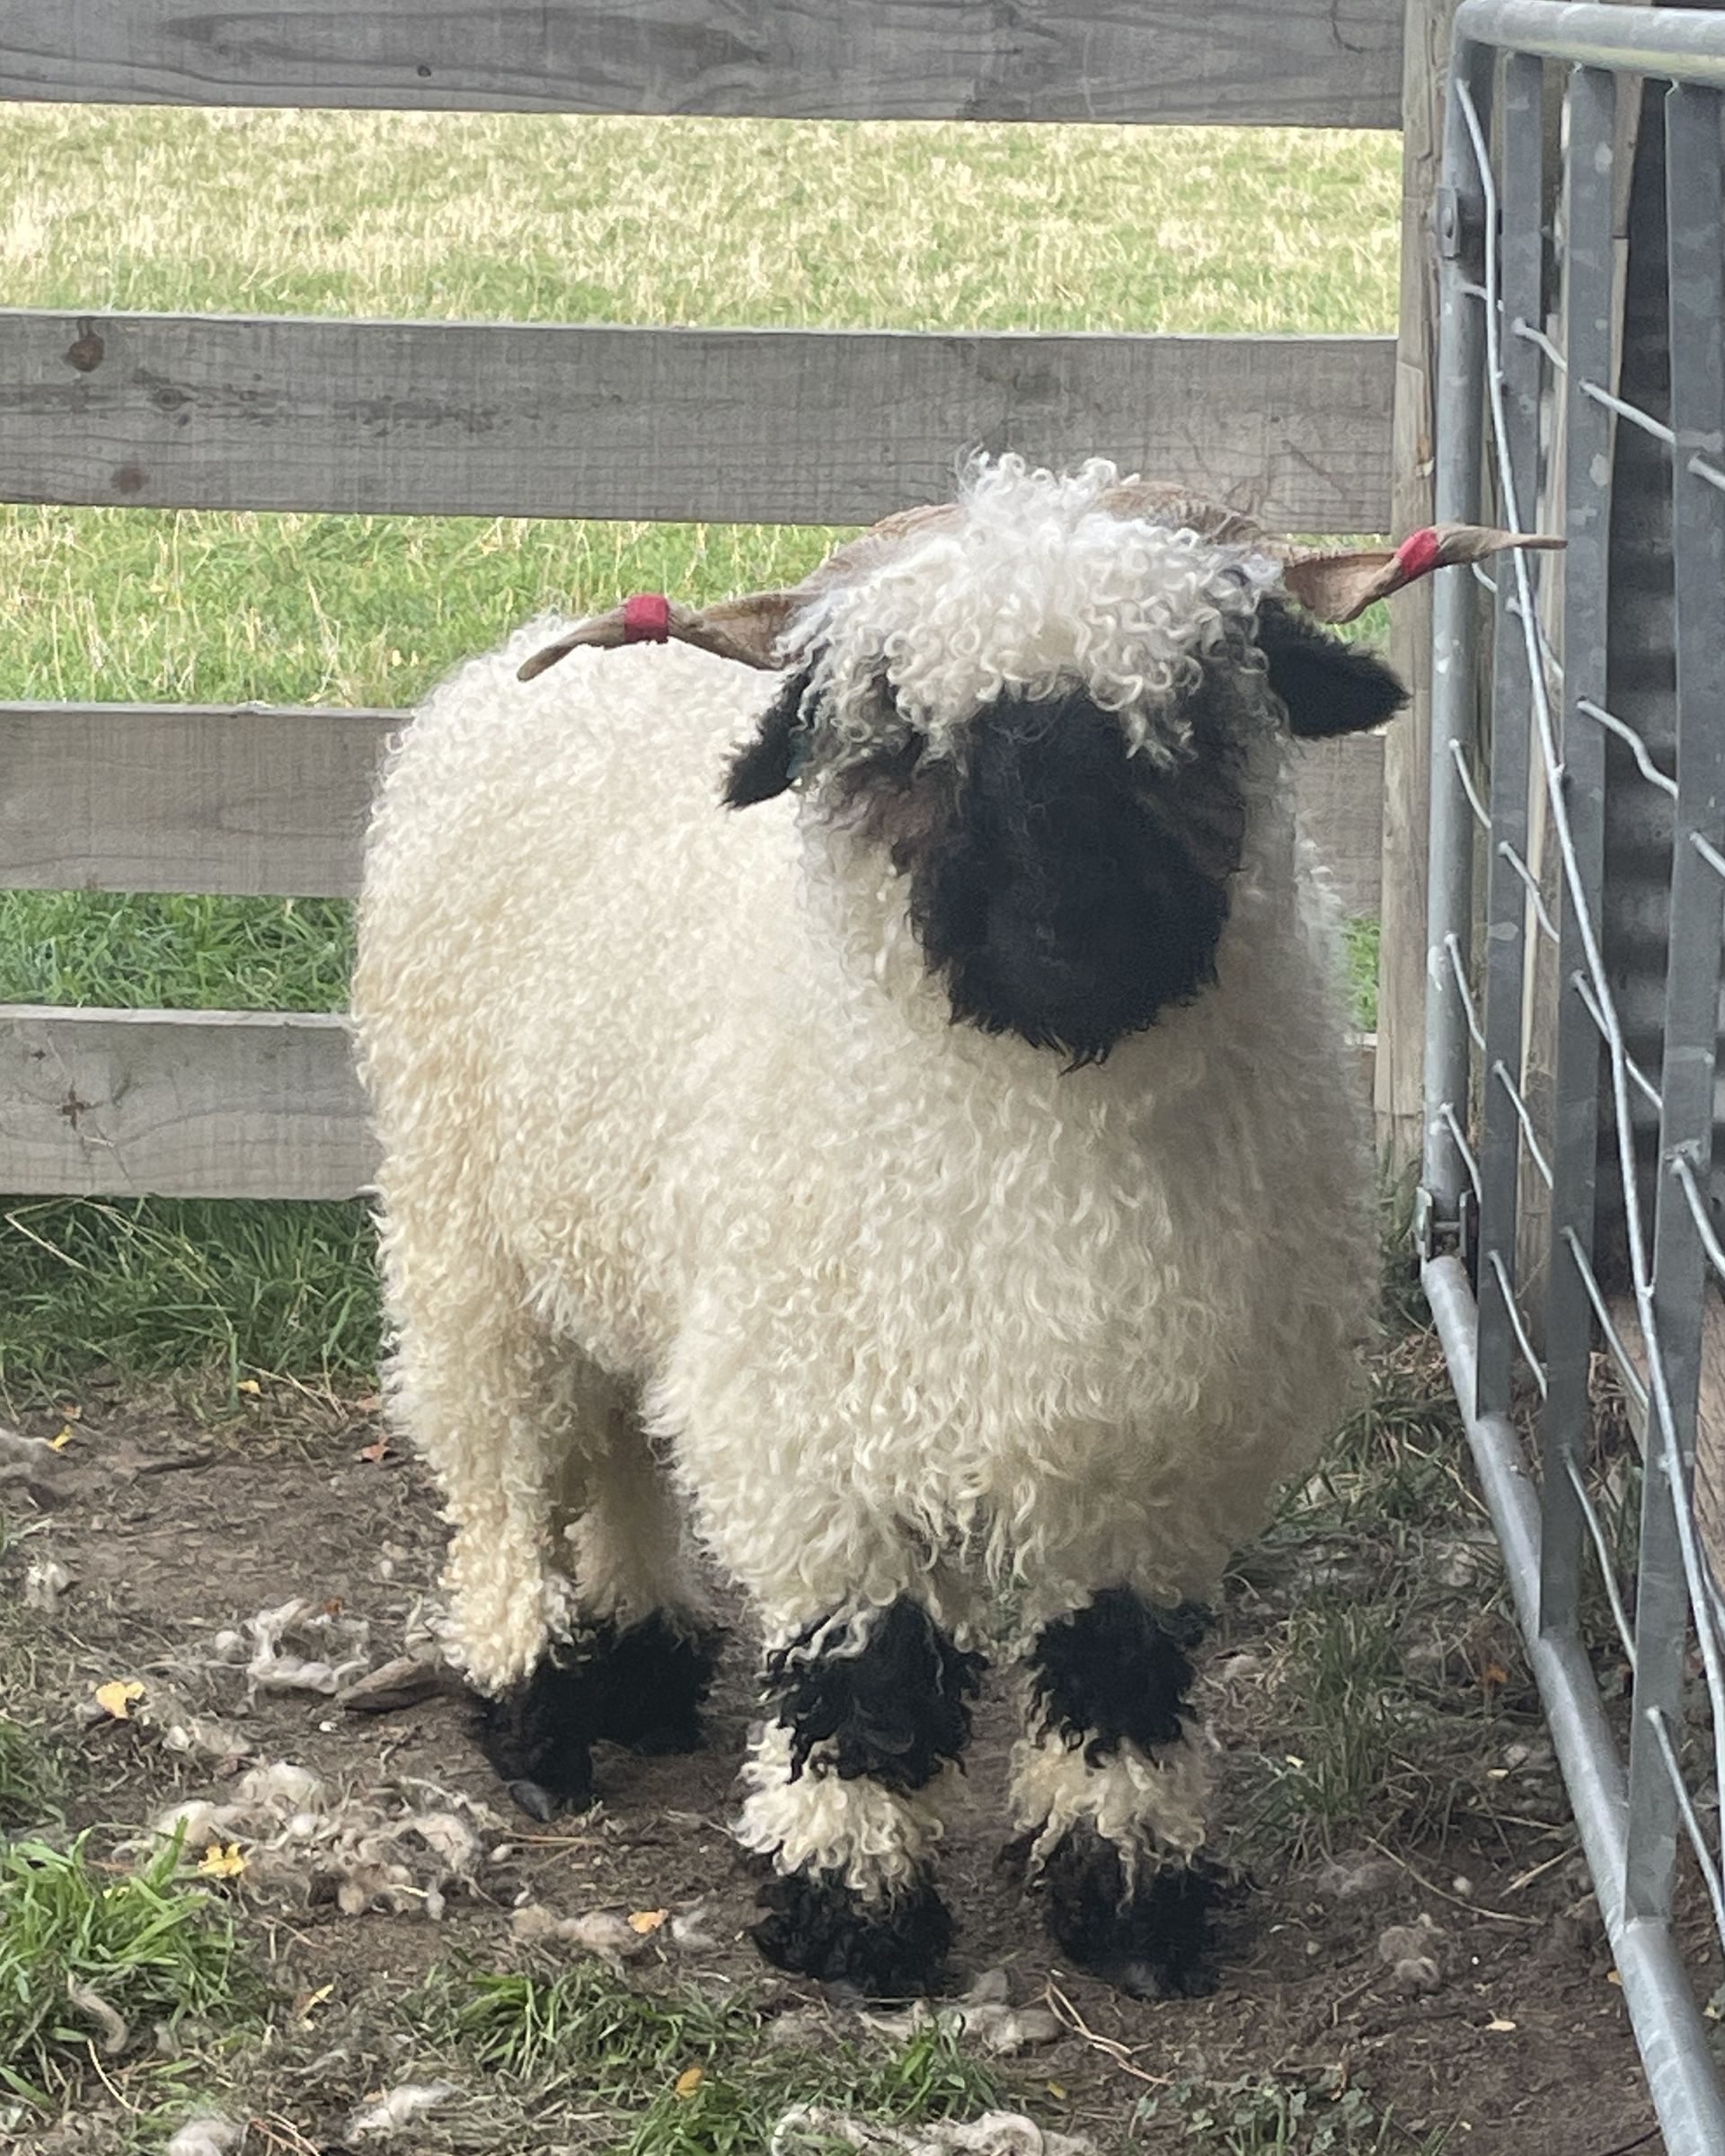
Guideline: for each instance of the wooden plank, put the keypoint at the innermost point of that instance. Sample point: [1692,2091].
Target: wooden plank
[247,799]
[182,798]
[1338,806]
[1709,1488]
[179,1103]
[744,426]
[1407,788]
[1305,63]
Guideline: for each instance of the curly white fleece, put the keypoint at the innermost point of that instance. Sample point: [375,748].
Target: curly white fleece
[1033,588]
[672,1112]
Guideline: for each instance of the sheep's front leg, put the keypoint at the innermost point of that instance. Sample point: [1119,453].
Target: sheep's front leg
[1108,1783]
[867,1714]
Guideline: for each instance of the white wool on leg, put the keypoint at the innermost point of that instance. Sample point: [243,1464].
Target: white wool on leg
[877,1842]
[1149,1801]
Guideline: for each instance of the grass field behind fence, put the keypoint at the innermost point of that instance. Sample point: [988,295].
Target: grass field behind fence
[536,219]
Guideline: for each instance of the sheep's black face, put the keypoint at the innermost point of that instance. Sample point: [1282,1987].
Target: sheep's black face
[1065,887]
[1073,891]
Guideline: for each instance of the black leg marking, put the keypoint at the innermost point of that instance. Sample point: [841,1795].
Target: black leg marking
[1151,1942]
[894,1713]
[818,1926]
[643,1687]
[654,1680]
[1118,1669]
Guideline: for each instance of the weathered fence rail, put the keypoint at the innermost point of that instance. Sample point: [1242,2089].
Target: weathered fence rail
[722,425]
[1270,62]
[732,426]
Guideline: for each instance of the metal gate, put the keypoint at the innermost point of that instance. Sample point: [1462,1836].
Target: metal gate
[1568,1223]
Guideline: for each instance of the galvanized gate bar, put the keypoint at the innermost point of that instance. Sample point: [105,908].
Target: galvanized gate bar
[1514,239]
[1549,721]
[1587,271]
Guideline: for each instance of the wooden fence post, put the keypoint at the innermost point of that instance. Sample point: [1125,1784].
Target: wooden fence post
[1402,962]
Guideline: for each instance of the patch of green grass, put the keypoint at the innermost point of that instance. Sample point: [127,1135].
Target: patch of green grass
[1280,2116]
[1359,941]
[528,218]
[207,1285]
[28,1782]
[686,2074]
[93,1956]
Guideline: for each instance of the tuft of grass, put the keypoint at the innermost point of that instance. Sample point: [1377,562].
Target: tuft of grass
[1280,2116]
[29,1784]
[211,1286]
[685,2074]
[1360,943]
[92,1956]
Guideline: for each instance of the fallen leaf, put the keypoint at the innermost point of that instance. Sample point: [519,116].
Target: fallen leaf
[116,1698]
[219,1863]
[62,1439]
[647,1920]
[250,1385]
[307,2005]
[1494,1674]
[375,1453]
[1054,2089]
[1499,2027]
[1613,1977]
[690,2079]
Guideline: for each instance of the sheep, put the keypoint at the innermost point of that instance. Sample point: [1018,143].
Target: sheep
[862,1093]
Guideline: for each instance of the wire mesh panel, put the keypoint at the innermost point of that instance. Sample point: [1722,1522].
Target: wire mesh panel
[1570,1245]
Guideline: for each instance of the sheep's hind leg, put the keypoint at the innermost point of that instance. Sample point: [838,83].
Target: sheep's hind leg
[639,1660]
[868,1714]
[1108,1786]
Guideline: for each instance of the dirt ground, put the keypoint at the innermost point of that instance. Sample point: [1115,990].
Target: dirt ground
[173,1528]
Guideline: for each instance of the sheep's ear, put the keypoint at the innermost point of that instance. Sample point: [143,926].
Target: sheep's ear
[1326,686]
[765,768]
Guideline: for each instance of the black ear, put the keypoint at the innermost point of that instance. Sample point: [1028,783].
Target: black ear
[1328,686]
[767,765]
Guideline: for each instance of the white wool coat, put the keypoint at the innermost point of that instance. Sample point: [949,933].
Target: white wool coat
[671,1110]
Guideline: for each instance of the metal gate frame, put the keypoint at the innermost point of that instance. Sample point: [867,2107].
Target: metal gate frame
[1502,361]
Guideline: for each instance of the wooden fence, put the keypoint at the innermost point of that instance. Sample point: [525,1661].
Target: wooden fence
[467,418]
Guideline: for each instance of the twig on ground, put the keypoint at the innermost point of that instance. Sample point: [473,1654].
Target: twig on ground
[1498,1916]
[1110,2048]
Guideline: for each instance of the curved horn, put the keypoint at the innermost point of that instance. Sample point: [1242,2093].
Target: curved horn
[1165,501]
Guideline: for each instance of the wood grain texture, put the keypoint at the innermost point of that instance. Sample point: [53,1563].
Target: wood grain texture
[743,426]
[1339,807]
[184,1104]
[1306,63]
[251,800]
[1407,780]
[178,797]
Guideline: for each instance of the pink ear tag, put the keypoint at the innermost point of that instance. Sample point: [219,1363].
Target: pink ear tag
[646,618]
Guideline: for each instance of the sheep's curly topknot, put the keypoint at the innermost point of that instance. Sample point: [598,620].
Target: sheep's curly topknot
[1034,587]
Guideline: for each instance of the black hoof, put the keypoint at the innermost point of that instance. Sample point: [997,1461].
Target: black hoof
[1154,1943]
[536,1801]
[539,1736]
[817,1926]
